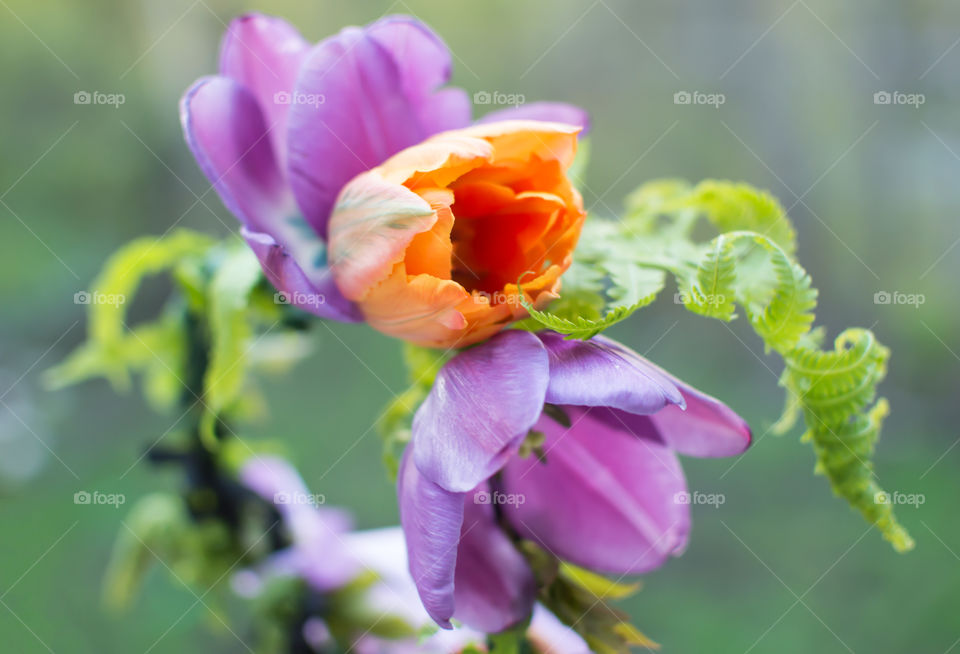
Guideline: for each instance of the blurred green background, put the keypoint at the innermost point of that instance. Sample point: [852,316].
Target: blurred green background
[781,566]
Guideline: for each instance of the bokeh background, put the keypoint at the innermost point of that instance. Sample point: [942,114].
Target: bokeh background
[782,566]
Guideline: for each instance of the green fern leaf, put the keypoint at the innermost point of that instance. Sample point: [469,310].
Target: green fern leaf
[834,390]
[711,291]
[788,314]
[735,207]
[584,328]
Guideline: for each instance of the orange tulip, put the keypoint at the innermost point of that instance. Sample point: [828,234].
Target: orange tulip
[431,243]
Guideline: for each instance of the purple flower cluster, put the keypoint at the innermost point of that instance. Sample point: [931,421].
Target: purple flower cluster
[527,436]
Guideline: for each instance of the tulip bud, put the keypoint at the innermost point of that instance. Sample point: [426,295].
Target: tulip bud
[431,243]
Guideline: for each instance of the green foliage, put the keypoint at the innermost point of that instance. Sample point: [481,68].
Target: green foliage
[587,307]
[583,328]
[598,585]
[511,641]
[126,269]
[113,349]
[579,599]
[782,317]
[349,614]
[710,291]
[200,349]
[395,422]
[159,530]
[835,390]
[231,334]
[217,320]
[732,207]
[620,267]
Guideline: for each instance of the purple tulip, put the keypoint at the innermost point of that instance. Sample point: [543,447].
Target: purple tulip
[608,494]
[318,552]
[286,124]
[327,555]
[383,552]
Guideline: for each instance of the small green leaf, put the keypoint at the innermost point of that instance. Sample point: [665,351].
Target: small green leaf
[580,599]
[598,585]
[155,526]
[112,349]
[582,328]
[231,334]
[423,365]
[638,286]
[711,291]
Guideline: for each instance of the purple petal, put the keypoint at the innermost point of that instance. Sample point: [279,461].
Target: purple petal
[225,130]
[384,552]
[321,297]
[278,482]
[603,499]
[431,519]
[553,112]
[479,410]
[707,428]
[494,587]
[447,109]
[374,88]
[603,373]
[268,476]
[264,53]
[425,66]
[318,553]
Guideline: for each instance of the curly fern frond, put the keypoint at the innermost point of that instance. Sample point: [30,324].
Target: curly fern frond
[750,263]
[834,390]
[788,315]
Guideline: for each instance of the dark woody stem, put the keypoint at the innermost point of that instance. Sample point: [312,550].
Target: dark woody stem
[211,493]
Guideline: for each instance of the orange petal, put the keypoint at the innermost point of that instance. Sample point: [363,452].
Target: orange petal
[437,161]
[431,252]
[372,224]
[521,139]
[421,309]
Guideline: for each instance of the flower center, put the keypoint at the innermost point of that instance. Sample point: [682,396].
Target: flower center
[508,220]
